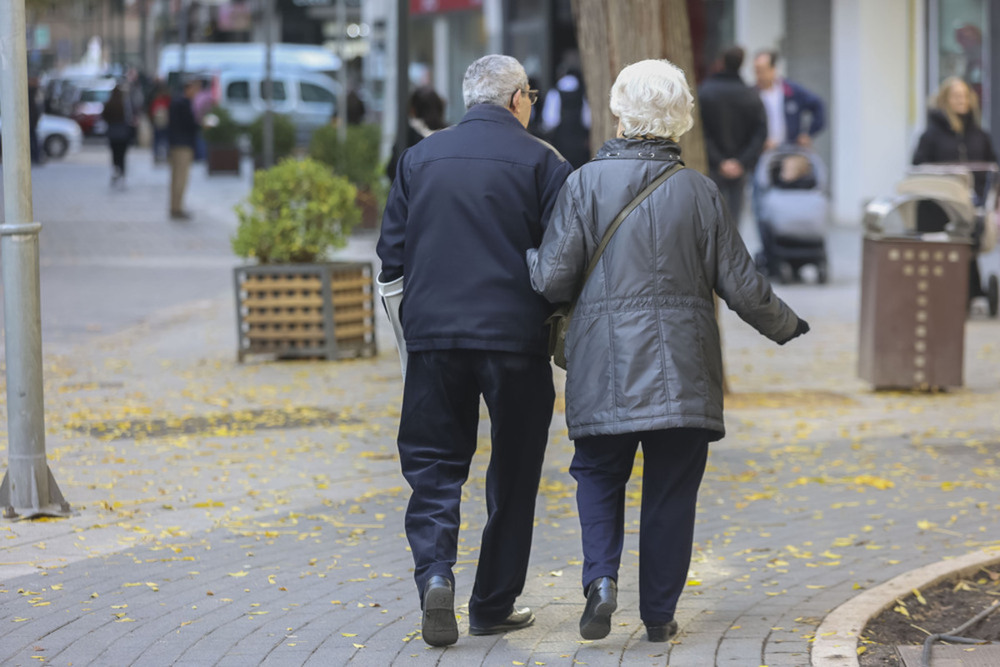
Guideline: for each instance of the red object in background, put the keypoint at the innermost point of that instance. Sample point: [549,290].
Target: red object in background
[436,6]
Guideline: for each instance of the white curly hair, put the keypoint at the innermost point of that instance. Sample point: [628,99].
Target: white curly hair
[652,98]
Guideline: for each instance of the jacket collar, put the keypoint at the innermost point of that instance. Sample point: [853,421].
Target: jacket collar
[639,149]
[492,113]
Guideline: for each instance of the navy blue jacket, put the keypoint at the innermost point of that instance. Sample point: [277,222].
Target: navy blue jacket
[467,203]
[797,101]
[183,128]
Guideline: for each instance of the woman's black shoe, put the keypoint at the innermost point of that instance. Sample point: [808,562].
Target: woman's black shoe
[602,600]
[661,633]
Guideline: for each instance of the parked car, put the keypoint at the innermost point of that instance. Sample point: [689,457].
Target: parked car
[58,136]
[88,107]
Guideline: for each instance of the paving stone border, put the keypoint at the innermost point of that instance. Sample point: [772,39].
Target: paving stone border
[836,642]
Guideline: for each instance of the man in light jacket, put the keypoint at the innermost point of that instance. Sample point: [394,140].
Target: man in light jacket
[466,205]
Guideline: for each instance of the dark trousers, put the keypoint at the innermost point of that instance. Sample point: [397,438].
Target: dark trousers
[673,465]
[732,191]
[437,439]
[118,149]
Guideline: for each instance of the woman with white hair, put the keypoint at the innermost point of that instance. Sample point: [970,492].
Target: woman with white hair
[643,355]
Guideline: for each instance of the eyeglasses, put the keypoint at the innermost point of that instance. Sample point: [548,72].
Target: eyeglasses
[531,92]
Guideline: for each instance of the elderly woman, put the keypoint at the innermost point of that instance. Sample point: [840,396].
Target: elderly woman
[644,362]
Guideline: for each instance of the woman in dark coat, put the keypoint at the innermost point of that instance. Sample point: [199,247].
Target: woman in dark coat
[118,115]
[954,134]
[426,117]
[644,359]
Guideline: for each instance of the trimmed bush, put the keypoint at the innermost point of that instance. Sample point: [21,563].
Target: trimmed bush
[284,136]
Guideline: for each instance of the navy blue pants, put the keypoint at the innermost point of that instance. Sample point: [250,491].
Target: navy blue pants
[673,465]
[437,439]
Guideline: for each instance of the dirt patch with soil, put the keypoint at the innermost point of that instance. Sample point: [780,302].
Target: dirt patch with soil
[938,609]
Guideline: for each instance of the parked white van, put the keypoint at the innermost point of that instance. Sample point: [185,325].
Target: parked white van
[302,90]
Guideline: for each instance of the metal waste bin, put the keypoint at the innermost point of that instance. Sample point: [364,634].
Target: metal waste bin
[915,285]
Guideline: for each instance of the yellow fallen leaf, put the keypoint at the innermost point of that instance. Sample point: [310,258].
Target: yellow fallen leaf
[348,634]
[359,646]
[241,573]
[920,598]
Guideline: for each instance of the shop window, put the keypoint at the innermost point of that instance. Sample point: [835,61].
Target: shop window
[958,40]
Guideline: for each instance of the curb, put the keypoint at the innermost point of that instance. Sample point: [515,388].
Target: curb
[836,642]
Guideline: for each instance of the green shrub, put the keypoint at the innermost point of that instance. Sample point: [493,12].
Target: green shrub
[226,132]
[357,159]
[297,211]
[284,136]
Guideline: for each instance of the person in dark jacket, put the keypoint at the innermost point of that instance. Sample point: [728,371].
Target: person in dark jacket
[566,114]
[785,103]
[35,108]
[117,113]
[954,134]
[182,136]
[735,129]
[644,359]
[426,117]
[467,203]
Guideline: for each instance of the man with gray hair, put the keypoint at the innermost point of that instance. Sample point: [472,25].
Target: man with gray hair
[467,203]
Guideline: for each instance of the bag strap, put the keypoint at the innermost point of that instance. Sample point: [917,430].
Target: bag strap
[617,222]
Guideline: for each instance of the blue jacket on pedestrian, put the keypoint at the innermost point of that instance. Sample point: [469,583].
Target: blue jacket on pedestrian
[797,101]
[182,129]
[467,203]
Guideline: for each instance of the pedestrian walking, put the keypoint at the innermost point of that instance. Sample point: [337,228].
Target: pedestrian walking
[644,360]
[786,103]
[466,205]
[182,135]
[118,115]
[954,134]
[159,115]
[566,114]
[426,116]
[735,129]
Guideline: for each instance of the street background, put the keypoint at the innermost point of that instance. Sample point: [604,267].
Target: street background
[238,514]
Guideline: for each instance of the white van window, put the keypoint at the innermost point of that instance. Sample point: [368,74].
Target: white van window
[238,91]
[279,90]
[313,93]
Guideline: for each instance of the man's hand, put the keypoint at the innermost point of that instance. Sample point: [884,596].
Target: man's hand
[804,140]
[731,168]
[770,145]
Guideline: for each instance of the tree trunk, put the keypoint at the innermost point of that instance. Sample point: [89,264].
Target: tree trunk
[615,33]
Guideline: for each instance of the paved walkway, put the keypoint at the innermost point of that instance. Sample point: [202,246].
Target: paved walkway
[230,514]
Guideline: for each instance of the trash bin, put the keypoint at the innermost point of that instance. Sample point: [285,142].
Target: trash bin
[915,284]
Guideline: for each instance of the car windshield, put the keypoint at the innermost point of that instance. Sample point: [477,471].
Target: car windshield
[94,95]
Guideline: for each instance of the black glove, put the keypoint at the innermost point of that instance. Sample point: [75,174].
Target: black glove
[800,328]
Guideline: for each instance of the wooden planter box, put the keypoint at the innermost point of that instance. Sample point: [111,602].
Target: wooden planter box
[306,310]
[223,159]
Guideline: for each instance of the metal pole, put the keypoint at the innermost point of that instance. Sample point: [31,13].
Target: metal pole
[268,84]
[402,74]
[28,489]
[342,75]
[182,36]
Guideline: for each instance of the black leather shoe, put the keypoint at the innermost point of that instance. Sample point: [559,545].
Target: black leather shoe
[517,619]
[602,600]
[439,625]
[661,633]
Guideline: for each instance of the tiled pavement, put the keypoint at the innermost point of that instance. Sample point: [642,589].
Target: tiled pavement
[276,537]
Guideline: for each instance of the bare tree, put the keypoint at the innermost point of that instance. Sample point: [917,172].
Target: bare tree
[616,33]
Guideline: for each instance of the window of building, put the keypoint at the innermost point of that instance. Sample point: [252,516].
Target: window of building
[958,45]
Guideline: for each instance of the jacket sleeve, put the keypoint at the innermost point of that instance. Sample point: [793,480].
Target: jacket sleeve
[925,149]
[737,281]
[812,103]
[552,179]
[751,152]
[558,265]
[390,246]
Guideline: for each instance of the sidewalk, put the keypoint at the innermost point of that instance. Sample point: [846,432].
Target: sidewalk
[230,514]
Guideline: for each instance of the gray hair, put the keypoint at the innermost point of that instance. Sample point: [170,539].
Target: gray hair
[493,79]
[652,98]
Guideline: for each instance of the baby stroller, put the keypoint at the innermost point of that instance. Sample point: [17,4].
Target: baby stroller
[942,198]
[791,206]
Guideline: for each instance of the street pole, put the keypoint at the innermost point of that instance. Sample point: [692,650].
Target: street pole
[28,488]
[342,75]
[182,36]
[402,74]
[268,129]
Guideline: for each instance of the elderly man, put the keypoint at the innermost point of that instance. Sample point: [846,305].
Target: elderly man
[466,205]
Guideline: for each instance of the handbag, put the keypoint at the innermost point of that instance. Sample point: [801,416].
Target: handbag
[559,320]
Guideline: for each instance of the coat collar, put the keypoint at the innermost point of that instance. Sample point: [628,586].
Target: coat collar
[642,149]
[490,112]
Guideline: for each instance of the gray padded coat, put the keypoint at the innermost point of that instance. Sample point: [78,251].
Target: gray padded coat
[643,350]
